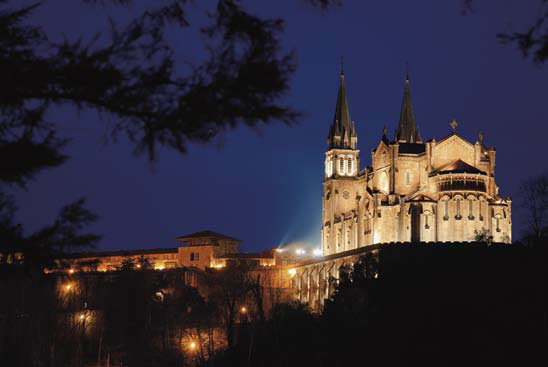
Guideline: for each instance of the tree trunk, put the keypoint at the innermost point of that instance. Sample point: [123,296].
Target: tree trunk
[99,349]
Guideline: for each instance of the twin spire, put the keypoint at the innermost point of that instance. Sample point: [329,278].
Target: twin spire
[406,131]
[342,134]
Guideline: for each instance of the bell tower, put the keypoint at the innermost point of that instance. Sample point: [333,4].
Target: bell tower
[341,158]
[340,180]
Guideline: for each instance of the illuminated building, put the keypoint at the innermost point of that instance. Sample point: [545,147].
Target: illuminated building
[200,250]
[413,191]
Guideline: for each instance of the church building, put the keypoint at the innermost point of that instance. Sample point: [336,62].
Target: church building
[413,191]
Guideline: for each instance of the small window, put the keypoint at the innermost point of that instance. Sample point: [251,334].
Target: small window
[197,256]
[349,166]
[192,256]
[471,210]
[341,166]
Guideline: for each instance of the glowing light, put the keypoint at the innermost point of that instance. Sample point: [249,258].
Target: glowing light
[279,250]
[292,272]
[160,267]
[68,287]
[243,310]
[300,251]
[376,238]
[82,317]
[71,271]
[192,345]
[317,252]
[138,266]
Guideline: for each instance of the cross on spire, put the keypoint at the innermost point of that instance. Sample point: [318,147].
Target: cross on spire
[454,125]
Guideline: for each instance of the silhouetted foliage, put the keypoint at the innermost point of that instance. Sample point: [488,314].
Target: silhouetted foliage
[427,304]
[532,41]
[228,289]
[40,248]
[131,78]
[533,197]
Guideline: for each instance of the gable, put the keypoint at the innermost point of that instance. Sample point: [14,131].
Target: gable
[381,155]
[452,149]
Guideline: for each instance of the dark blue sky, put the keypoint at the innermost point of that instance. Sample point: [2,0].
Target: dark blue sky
[266,188]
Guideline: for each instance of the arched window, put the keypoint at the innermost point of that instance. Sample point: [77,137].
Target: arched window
[329,167]
[497,217]
[446,216]
[341,166]
[458,216]
[349,167]
[470,209]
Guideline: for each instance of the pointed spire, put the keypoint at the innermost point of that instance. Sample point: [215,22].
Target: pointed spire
[406,129]
[418,138]
[343,131]
[384,137]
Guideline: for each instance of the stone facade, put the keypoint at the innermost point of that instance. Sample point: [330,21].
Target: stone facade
[413,191]
[200,250]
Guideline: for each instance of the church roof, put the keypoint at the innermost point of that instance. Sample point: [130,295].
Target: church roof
[249,255]
[79,255]
[458,166]
[342,127]
[412,148]
[421,198]
[206,234]
[406,131]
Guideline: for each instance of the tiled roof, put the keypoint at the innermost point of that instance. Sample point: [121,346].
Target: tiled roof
[458,166]
[206,234]
[122,253]
[247,256]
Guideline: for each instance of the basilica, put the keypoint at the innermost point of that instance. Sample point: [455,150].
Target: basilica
[415,190]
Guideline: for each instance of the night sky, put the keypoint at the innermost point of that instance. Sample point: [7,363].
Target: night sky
[266,187]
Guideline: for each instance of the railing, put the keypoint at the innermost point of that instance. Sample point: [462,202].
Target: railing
[455,185]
